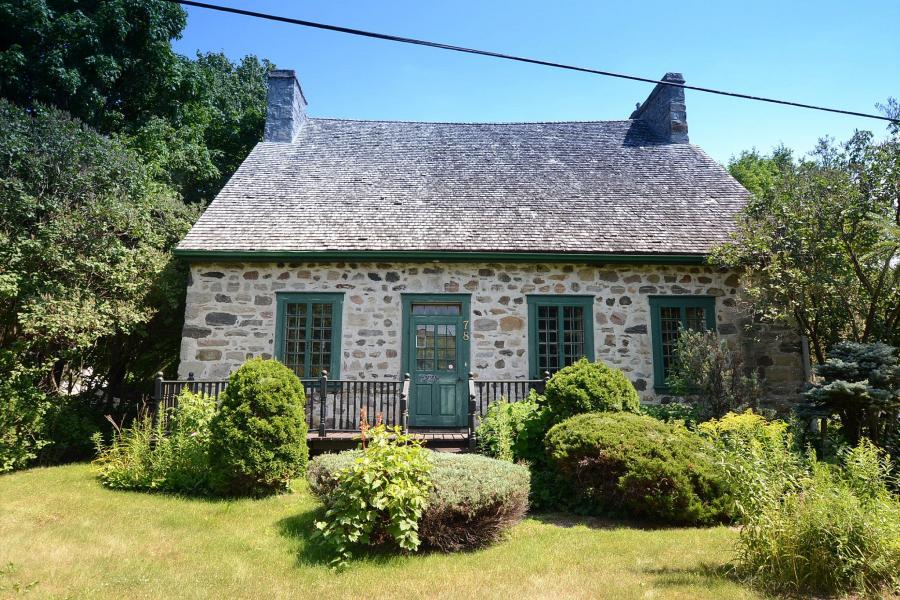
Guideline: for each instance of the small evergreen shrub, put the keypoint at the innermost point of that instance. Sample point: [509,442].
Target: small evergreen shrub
[258,436]
[471,502]
[831,530]
[378,497]
[145,456]
[585,387]
[627,464]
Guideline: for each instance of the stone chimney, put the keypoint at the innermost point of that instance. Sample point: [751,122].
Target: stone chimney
[664,111]
[286,110]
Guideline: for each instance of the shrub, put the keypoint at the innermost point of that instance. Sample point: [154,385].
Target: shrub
[620,463]
[760,456]
[514,431]
[258,441]
[378,497]
[861,384]
[585,387]
[473,502]
[673,412]
[70,424]
[473,499]
[132,459]
[22,408]
[711,375]
[836,530]
[189,441]
[145,456]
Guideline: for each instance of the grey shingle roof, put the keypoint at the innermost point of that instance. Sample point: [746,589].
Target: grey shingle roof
[586,187]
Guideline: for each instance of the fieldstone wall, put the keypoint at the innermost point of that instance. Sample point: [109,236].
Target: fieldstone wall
[230,315]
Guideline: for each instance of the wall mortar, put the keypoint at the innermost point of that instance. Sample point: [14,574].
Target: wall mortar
[230,315]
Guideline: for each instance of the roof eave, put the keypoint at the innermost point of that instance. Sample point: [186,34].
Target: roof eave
[196,255]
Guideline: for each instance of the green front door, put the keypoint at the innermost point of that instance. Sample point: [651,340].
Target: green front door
[437,358]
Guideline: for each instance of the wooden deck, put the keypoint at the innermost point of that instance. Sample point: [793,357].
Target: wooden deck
[453,440]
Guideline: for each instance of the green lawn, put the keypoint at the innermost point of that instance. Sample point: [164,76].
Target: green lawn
[62,535]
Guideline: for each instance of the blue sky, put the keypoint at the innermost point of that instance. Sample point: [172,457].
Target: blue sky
[843,54]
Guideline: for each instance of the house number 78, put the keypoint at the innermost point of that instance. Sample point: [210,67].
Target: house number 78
[465,330]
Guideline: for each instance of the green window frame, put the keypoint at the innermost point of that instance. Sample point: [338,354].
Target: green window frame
[308,333]
[668,315]
[560,331]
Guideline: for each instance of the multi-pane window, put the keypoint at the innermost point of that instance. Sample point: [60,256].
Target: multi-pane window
[308,333]
[435,347]
[560,331]
[668,316]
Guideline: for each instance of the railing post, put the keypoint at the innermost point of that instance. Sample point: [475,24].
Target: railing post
[544,382]
[323,396]
[157,392]
[404,404]
[472,409]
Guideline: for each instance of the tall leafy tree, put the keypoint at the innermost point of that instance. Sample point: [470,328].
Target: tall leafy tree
[110,63]
[817,238]
[215,117]
[107,62]
[87,281]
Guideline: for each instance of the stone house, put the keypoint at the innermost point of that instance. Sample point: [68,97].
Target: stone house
[371,249]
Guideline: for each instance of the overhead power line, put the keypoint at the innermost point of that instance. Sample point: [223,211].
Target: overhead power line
[522,59]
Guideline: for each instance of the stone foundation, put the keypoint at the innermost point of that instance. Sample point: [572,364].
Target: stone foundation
[230,315]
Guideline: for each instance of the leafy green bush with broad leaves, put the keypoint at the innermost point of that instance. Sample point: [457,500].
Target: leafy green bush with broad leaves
[820,529]
[22,408]
[471,502]
[378,497]
[514,431]
[258,436]
[148,456]
[634,465]
[673,412]
[585,387]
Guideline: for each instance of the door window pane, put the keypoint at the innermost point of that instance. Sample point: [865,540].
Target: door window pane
[445,343]
[425,346]
[695,318]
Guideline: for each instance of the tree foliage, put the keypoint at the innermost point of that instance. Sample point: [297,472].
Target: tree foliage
[111,65]
[861,384]
[819,235]
[86,279]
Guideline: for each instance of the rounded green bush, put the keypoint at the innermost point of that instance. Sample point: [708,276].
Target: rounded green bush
[473,500]
[627,464]
[585,387]
[258,437]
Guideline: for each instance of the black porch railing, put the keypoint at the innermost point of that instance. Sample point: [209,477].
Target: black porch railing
[336,405]
[331,405]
